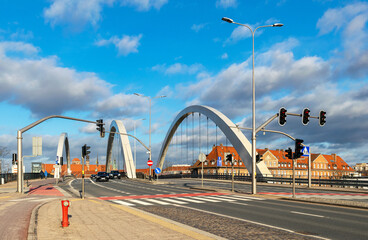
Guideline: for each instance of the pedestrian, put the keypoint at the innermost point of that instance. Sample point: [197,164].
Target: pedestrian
[45,174]
[41,174]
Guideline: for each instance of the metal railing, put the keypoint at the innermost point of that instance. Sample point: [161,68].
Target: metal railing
[9,177]
[342,182]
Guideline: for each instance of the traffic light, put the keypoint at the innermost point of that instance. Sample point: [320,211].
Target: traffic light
[298,148]
[100,127]
[258,158]
[229,158]
[305,116]
[15,159]
[282,116]
[322,118]
[85,149]
[289,153]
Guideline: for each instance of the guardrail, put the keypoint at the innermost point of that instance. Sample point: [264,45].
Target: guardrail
[343,182]
[9,177]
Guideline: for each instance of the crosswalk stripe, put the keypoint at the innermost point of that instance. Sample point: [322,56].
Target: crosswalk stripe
[205,199]
[236,198]
[190,200]
[220,198]
[248,197]
[123,203]
[140,202]
[158,202]
[173,201]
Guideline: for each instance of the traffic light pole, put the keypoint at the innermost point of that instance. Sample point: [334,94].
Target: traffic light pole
[82,176]
[20,139]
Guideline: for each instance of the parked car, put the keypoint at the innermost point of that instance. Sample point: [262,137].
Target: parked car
[115,174]
[93,176]
[102,176]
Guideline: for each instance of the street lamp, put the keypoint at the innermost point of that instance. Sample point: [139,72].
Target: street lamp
[150,104]
[254,183]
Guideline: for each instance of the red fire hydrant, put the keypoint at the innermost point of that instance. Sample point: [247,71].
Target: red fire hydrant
[65,204]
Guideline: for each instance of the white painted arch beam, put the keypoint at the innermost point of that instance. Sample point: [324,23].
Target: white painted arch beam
[234,135]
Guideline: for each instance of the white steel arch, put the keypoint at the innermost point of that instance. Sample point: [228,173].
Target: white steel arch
[63,144]
[118,127]
[234,134]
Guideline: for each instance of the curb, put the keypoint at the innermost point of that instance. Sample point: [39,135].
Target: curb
[32,228]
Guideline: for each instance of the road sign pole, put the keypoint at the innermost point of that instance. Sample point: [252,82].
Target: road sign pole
[232,178]
[294,161]
[82,177]
[202,174]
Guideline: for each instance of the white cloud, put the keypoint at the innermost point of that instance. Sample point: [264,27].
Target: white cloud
[239,33]
[226,3]
[338,17]
[42,86]
[125,45]
[144,5]
[224,56]
[178,68]
[75,13]
[198,27]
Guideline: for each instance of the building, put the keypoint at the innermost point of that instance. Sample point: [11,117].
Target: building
[361,168]
[323,166]
[177,169]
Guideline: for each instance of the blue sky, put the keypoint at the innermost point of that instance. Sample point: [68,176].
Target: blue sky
[86,58]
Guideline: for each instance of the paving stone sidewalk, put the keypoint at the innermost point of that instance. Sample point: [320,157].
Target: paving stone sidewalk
[96,219]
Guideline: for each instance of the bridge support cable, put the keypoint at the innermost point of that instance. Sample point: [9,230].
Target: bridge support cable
[234,135]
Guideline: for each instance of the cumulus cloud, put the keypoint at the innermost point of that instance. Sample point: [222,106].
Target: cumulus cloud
[226,3]
[351,20]
[45,88]
[75,13]
[178,68]
[144,5]
[122,105]
[124,45]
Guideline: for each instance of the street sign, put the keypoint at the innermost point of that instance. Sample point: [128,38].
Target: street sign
[219,162]
[305,151]
[158,170]
[202,157]
[149,162]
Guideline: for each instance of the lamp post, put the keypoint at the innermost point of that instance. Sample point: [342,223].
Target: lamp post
[150,104]
[254,182]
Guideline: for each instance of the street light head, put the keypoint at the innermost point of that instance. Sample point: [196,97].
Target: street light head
[138,94]
[163,96]
[229,20]
[277,25]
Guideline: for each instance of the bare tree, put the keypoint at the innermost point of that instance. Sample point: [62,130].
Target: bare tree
[4,151]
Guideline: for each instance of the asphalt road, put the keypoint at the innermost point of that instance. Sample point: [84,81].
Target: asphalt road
[310,219]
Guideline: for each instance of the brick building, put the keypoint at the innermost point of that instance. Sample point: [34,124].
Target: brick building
[323,166]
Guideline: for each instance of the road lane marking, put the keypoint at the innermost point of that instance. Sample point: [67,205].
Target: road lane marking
[221,199]
[250,221]
[307,214]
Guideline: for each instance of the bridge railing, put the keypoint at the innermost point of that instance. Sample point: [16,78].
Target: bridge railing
[299,180]
[9,177]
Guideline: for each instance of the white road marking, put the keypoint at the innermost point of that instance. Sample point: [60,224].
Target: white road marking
[112,189]
[123,203]
[220,198]
[140,202]
[190,200]
[205,199]
[158,202]
[173,201]
[307,214]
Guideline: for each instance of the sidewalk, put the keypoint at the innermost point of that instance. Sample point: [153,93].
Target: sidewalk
[96,219]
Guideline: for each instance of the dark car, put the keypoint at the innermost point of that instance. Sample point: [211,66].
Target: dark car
[93,176]
[102,176]
[115,174]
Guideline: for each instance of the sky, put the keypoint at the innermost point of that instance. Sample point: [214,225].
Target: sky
[86,59]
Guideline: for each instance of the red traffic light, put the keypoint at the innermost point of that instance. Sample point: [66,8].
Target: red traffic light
[282,116]
[305,116]
[322,118]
